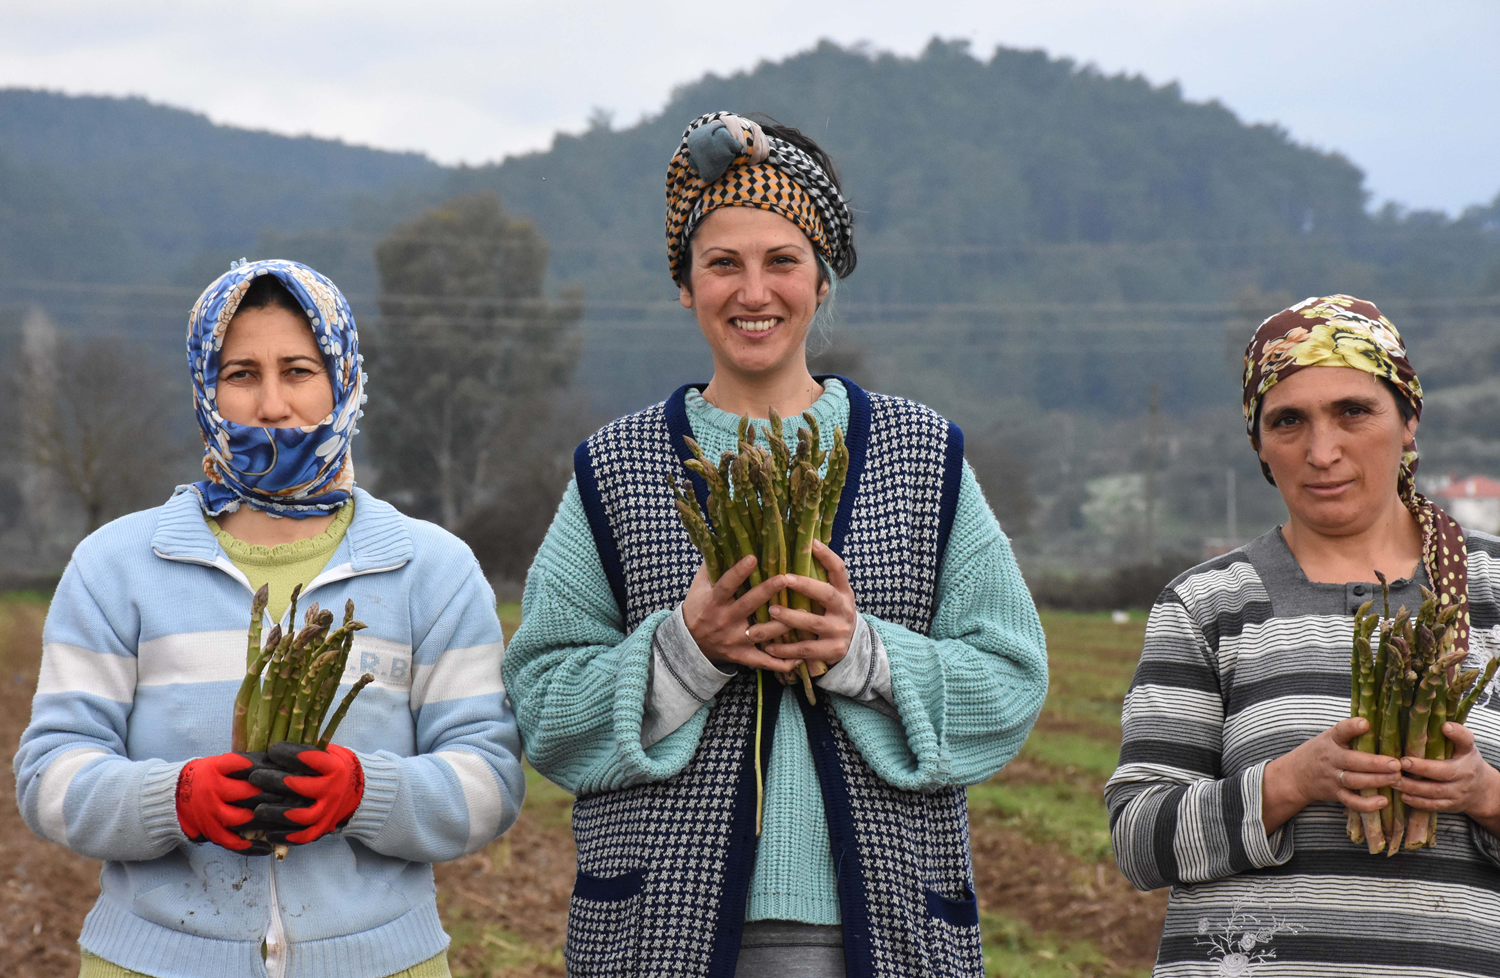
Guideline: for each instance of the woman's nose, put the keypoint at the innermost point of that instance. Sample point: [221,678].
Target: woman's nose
[1324,446]
[273,404]
[753,290]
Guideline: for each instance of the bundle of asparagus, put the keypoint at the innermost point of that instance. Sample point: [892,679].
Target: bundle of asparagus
[1406,683]
[770,503]
[302,673]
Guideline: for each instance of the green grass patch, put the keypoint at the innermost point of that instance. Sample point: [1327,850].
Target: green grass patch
[501,951]
[1090,660]
[1062,815]
[1081,752]
[510,618]
[545,801]
[1012,949]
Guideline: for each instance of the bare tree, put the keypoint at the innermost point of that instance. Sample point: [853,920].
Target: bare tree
[101,423]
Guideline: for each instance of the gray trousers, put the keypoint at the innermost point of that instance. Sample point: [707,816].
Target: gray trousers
[787,949]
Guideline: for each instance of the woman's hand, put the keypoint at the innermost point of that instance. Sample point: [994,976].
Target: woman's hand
[1325,769]
[1464,784]
[834,628]
[718,620]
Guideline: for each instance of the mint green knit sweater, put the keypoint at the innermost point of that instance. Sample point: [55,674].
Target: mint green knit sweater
[967,694]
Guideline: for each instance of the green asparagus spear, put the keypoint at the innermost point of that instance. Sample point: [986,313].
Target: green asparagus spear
[338,716]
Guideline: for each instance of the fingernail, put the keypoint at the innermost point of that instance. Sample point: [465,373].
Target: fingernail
[775,610]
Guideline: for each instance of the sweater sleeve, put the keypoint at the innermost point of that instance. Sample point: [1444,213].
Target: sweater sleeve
[465,786]
[75,785]
[1174,817]
[578,679]
[967,694]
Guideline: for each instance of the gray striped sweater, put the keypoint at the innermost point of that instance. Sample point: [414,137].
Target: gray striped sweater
[1245,659]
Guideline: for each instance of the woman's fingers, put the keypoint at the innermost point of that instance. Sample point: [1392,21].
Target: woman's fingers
[1355,781]
[824,594]
[838,574]
[1428,770]
[1347,729]
[760,634]
[1359,802]
[1358,760]
[796,618]
[730,581]
[755,658]
[814,650]
[1460,736]
[762,593]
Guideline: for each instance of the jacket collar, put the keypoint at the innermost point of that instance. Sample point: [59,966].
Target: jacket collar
[377,539]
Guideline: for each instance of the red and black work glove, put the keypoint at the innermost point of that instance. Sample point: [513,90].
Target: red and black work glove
[216,801]
[318,789]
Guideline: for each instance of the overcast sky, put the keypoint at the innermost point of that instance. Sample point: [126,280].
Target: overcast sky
[1409,91]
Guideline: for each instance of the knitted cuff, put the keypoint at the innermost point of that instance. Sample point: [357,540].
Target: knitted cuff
[382,781]
[159,805]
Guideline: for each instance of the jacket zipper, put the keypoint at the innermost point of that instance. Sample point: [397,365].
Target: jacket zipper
[275,934]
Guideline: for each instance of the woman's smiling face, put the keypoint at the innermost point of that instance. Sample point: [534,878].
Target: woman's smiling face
[753,284]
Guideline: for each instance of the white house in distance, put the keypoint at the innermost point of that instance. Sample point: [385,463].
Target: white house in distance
[1474,502]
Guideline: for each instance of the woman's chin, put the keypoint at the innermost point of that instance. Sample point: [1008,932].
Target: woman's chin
[1337,517]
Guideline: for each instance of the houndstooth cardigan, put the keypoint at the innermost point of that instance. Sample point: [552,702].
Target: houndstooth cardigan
[664,867]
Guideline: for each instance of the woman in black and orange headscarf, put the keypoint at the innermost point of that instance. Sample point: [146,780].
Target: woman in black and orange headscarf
[1237,764]
[638,683]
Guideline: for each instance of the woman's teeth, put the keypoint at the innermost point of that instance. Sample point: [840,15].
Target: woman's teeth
[753,325]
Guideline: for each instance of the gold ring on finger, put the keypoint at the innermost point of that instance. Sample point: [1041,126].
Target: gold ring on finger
[1341,778]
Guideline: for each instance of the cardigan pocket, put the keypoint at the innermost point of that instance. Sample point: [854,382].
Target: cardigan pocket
[604,924]
[952,935]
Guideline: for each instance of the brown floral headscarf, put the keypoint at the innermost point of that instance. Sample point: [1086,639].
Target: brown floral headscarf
[1342,331]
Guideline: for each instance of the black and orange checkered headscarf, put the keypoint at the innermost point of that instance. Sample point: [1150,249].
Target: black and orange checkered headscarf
[728,161]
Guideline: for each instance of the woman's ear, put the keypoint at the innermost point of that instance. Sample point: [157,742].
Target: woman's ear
[1411,433]
[822,291]
[684,295]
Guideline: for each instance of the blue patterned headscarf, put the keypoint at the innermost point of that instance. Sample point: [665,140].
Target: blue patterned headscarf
[296,472]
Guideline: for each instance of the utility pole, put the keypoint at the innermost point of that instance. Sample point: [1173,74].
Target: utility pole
[1153,426]
[1231,517]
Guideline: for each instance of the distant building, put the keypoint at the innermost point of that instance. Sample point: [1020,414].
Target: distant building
[1474,502]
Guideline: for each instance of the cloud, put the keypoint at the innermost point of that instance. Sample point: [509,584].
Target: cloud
[1395,86]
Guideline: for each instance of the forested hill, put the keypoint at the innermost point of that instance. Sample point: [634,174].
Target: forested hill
[152,188]
[1022,177]
[992,196]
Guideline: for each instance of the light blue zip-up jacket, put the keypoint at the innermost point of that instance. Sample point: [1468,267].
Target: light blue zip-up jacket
[143,652]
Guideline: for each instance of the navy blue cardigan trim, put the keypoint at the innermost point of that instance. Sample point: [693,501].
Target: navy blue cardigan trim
[739,860]
[953,477]
[604,537]
[849,871]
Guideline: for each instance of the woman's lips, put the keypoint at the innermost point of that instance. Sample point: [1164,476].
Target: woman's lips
[755,328]
[1328,489]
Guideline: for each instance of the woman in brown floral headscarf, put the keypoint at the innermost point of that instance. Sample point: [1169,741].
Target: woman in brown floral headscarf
[1342,331]
[1237,761]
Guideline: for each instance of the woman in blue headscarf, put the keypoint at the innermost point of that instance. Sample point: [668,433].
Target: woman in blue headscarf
[127,758]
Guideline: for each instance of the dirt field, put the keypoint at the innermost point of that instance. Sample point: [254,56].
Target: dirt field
[1053,902]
